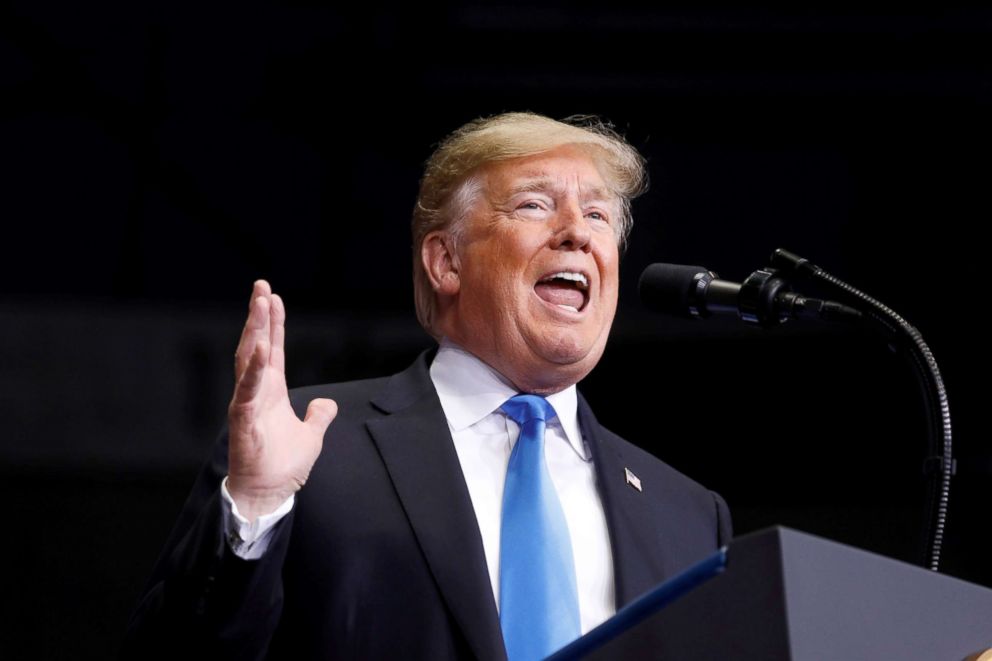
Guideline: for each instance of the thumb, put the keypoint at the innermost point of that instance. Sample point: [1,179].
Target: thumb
[320,413]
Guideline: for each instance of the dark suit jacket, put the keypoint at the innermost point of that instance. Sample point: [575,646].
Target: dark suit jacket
[381,556]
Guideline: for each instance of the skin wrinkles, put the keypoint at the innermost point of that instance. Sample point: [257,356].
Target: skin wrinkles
[594,198]
[535,216]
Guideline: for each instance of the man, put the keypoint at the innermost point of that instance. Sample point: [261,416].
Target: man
[398,539]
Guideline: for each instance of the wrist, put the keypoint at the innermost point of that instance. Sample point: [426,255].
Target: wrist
[252,503]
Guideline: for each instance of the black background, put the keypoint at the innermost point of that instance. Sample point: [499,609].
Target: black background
[156,158]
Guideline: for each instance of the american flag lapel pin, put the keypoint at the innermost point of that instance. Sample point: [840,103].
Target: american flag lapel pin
[632,479]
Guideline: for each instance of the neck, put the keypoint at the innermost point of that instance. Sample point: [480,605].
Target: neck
[524,383]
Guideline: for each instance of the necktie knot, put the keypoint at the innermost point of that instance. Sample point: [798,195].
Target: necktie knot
[525,408]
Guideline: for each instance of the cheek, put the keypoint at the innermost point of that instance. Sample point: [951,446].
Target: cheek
[609,268]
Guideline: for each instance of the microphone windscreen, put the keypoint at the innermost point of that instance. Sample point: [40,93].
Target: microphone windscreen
[668,288]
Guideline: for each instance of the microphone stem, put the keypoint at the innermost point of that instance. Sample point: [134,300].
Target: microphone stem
[940,465]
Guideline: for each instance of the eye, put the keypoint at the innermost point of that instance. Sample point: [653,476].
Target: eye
[533,209]
[597,215]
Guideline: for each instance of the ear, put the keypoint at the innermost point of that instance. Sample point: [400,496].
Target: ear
[440,262]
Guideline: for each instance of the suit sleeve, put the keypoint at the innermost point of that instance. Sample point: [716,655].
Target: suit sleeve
[202,599]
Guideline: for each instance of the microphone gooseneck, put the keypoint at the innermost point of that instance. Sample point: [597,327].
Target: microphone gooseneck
[765,298]
[939,465]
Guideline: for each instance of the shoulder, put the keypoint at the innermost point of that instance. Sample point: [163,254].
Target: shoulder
[348,394]
[662,483]
[365,398]
[611,449]
[649,464]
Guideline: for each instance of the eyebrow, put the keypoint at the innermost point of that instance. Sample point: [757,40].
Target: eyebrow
[543,183]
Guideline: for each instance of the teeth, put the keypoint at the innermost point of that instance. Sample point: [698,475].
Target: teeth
[569,275]
[568,307]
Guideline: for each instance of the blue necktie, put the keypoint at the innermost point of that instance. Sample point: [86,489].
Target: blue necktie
[538,600]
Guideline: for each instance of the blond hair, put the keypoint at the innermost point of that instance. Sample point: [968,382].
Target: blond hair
[448,190]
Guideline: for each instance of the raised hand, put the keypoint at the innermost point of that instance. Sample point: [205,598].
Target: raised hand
[271,451]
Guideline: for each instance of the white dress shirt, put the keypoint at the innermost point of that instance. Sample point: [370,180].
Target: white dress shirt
[471,393]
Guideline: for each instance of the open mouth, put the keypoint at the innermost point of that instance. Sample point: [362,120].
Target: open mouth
[568,290]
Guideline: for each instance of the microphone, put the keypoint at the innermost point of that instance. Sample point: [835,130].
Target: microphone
[764,298]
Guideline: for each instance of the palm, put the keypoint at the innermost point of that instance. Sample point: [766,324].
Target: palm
[271,450]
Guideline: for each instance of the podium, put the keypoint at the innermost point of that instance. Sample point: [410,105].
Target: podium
[779,594]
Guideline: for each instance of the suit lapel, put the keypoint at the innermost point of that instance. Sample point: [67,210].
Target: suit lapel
[632,515]
[418,452]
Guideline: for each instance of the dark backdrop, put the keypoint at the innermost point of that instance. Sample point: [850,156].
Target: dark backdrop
[157,158]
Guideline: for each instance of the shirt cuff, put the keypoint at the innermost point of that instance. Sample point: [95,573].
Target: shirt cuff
[249,540]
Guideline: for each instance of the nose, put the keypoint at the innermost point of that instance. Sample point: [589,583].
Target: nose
[571,230]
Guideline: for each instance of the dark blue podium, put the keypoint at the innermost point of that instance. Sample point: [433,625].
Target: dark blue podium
[779,594]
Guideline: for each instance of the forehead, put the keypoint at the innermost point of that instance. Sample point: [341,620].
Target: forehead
[562,169]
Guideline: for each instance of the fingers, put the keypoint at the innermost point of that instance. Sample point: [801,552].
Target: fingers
[256,326]
[277,337]
[250,382]
[261,288]
[320,413]
[255,331]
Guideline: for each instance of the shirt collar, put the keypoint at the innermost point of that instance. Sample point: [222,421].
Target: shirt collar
[470,390]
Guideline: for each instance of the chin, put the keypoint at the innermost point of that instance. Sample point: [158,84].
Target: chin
[556,367]
[563,351]
[575,355]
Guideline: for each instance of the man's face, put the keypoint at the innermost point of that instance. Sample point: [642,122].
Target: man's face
[537,267]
